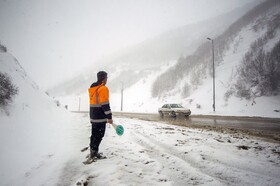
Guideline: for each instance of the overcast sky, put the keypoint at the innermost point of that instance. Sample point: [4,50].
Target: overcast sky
[55,39]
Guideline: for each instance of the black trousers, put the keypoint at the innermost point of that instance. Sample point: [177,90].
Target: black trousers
[97,133]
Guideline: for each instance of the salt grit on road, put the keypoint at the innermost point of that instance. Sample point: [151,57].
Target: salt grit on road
[153,153]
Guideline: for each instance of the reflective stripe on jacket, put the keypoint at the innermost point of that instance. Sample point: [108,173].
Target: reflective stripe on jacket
[99,104]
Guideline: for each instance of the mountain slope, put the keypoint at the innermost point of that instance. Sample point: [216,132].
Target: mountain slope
[33,130]
[131,64]
[191,78]
[189,81]
[200,63]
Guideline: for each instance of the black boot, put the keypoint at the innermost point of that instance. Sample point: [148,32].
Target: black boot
[95,154]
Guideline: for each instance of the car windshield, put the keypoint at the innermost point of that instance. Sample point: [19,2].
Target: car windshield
[176,106]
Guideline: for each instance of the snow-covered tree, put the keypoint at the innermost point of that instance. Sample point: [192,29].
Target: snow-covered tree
[7,89]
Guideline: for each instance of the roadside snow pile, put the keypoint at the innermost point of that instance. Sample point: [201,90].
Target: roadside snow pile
[35,134]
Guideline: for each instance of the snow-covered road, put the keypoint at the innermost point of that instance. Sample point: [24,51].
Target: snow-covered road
[153,153]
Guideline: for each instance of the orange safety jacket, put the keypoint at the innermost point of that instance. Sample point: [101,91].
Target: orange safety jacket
[99,103]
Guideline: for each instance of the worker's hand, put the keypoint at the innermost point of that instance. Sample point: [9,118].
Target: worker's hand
[110,121]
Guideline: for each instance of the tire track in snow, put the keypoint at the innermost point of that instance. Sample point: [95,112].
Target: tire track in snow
[240,164]
[223,172]
[179,170]
[197,166]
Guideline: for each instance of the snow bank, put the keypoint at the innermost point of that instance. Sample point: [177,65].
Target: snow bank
[34,132]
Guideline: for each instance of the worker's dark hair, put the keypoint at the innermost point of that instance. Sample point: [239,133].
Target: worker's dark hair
[101,75]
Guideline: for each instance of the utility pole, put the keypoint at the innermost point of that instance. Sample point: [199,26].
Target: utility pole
[213,73]
[122,98]
[79,103]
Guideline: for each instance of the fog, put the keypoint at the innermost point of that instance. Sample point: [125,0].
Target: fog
[55,40]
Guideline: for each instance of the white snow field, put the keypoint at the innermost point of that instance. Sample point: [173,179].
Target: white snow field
[149,153]
[153,153]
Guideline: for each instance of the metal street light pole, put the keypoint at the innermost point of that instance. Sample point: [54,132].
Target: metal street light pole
[79,103]
[122,98]
[213,72]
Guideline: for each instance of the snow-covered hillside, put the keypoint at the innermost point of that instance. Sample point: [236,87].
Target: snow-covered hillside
[188,80]
[35,134]
[133,62]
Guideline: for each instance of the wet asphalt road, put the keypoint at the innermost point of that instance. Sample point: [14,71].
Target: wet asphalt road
[258,126]
[251,123]
[263,127]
